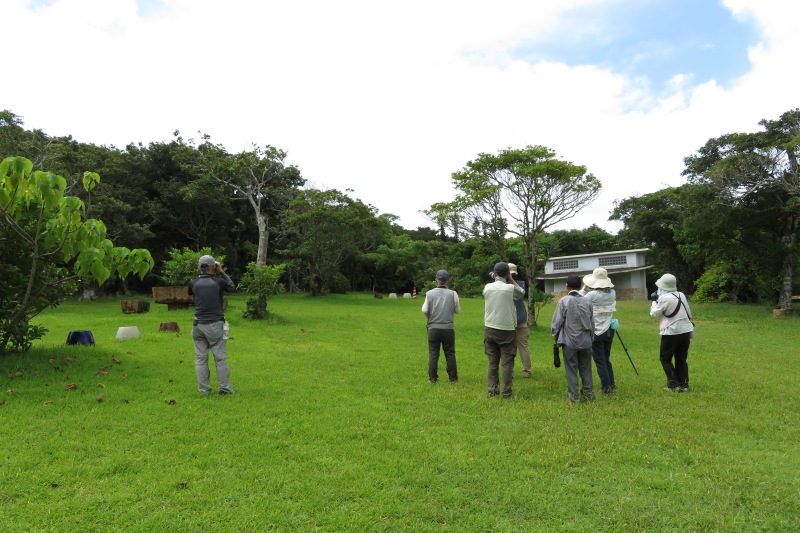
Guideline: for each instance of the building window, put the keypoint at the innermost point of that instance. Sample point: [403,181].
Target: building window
[568,264]
[614,260]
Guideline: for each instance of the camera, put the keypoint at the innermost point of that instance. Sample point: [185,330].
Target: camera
[654,295]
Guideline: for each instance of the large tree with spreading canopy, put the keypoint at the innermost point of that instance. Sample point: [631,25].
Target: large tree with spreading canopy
[747,168]
[523,192]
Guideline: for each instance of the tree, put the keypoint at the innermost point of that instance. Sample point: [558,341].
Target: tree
[51,228]
[323,230]
[654,221]
[259,177]
[741,166]
[524,191]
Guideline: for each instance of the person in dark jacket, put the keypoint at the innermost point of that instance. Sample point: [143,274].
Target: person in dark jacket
[208,331]
[523,332]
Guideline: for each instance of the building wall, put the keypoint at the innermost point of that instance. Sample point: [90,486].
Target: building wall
[622,294]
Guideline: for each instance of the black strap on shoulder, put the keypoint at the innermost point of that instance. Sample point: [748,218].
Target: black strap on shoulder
[677,307]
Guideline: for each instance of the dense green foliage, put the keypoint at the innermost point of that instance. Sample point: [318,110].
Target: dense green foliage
[49,244]
[260,283]
[187,195]
[334,427]
[183,265]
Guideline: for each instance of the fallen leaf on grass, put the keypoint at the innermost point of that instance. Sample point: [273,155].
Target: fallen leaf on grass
[10,392]
[171,402]
[53,485]
[114,359]
[101,386]
[171,380]
[100,398]
[51,360]
[16,375]
[124,376]
[2,402]
[103,371]
[71,386]
[126,401]
[48,402]
[183,484]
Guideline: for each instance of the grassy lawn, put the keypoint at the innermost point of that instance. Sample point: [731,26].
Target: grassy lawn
[334,427]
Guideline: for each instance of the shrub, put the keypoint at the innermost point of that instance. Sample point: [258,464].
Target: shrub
[181,268]
[260,283]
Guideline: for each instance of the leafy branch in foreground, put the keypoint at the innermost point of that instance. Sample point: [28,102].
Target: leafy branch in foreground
[42,234]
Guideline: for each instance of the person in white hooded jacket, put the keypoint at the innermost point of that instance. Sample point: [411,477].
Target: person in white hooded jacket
[677,330]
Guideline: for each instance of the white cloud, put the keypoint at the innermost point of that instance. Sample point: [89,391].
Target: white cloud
[387,99]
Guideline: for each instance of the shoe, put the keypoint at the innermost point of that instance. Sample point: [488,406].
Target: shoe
[526,375]
[493,394]
[610,391]
[432,380]
[454,380]
[226,392]
[672,389]
[572,401]
[684,389]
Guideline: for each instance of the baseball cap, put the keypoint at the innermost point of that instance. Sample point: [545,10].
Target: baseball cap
[442,275]
[501,269]
[207,262]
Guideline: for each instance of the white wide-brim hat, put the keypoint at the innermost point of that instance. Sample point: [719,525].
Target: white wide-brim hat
[667,282]
[598,279]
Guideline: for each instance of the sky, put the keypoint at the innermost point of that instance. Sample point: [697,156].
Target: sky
[385,100]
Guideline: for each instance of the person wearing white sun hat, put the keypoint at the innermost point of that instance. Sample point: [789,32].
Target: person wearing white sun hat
[599,290]
[677,329]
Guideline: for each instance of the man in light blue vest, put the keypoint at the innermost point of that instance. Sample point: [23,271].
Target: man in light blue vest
[499,328]
[441,304]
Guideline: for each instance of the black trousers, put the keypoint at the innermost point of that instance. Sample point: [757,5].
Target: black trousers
[677,347]
[446,339]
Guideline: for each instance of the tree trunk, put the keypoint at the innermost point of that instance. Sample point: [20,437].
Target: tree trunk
[531,249]
[787,283]
[263,238]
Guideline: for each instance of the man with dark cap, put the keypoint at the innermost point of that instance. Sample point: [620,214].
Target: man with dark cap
[500,325]
[208,330]
[573,328]
[522,332]
[440,305]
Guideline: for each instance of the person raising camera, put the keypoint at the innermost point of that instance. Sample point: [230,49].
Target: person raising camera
[676,329]
[208,327]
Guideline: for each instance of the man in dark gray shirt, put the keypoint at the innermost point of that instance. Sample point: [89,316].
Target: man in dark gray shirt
[209,332]
[440,306]
[573,328]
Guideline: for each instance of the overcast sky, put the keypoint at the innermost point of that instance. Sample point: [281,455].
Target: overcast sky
[389,98]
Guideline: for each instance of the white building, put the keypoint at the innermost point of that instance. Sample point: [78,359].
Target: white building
[626,270]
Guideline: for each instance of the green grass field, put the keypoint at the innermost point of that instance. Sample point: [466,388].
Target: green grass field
[335,427]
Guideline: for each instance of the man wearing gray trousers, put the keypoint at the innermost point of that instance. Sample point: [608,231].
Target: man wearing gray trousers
[573,329]
[208,330]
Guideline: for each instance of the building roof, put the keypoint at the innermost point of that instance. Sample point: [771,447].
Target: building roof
[611,271]
[600,253]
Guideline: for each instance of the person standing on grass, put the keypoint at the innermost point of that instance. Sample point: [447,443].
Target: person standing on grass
[522,331]
[441,305]
[500,324]
[573,328]
[599,290]
[676,330]
[208,328]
